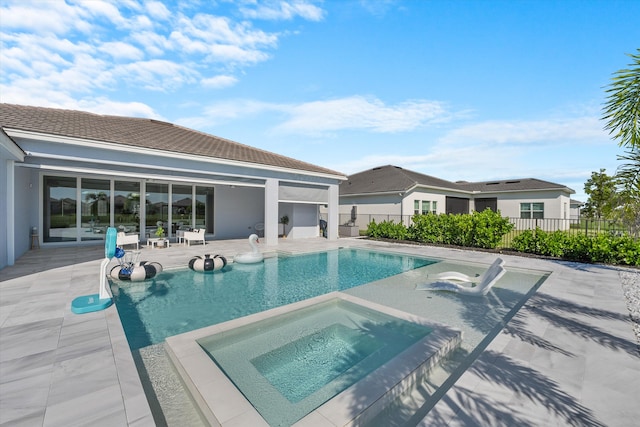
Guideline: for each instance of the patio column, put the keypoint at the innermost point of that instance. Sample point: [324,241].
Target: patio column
[10,224]
[332,213]
[271,212]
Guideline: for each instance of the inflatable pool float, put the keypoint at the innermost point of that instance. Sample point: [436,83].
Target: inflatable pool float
[137,272]
[207,264]
[250,257]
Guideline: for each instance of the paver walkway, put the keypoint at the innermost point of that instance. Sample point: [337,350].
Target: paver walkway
[568,357]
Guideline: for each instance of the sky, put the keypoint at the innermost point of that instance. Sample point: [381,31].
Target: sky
[461,90]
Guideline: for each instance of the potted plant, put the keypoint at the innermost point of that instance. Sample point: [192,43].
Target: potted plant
[160,235]
[284,221]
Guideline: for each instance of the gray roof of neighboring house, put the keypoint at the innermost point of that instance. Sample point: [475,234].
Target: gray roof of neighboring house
[386,179]
[522,184]
[142,132]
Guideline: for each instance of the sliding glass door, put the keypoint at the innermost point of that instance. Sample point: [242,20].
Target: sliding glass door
[204,208]
[81,209]
[95,210]
[156,208]
[59,209]
[126,206]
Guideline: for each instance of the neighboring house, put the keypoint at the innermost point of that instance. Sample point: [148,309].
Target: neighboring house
[576,209]
[392,193]
[68,175]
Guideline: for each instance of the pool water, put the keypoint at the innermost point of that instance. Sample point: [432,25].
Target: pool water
[291,364]
[179,301]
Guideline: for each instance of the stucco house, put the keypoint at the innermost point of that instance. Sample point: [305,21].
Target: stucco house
[393,193]
[68,175]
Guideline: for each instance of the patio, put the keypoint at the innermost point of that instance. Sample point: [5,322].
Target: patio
[568,357]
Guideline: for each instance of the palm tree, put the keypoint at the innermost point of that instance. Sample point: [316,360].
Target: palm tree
[622,114]
[622,109]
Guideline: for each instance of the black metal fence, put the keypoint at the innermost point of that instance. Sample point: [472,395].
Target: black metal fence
[589,227]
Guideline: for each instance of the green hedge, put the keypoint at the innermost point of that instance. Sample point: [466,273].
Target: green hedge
[605,248]
[479,229]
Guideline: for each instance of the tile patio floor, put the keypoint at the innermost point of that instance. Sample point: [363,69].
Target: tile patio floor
[568,357]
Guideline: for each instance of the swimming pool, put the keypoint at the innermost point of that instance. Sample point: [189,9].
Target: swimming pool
[182,300]
[479,318]
[309,359]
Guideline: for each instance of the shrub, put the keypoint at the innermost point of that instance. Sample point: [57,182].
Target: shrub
[480,229]
[387,229]
[603,248]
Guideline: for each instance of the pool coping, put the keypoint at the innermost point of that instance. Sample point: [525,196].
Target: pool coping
[222,403]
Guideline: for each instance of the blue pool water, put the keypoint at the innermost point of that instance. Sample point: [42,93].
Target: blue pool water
[183,300]
[290,364]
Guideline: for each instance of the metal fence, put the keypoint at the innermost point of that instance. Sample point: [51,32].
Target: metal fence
[589,227]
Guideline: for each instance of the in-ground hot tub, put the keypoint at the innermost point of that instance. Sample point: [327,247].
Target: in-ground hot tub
[331,358]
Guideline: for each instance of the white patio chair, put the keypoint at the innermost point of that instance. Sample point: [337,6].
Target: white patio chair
[194,236]
[123,239]
[487,280]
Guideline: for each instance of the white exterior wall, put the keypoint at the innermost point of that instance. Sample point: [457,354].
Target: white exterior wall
[11,220]
[303,221]
[392,206]
[430,195]
[377,207]
[556,209]
[237,211]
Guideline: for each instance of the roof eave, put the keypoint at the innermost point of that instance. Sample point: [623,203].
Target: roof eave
[118,146]
[11,147]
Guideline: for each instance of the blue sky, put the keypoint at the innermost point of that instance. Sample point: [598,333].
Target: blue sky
[461,90]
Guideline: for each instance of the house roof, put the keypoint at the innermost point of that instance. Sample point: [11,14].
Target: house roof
[521,184]
[386,179]
[142,133]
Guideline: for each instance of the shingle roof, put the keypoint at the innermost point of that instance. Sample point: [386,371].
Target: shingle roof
[390,178]
[385,179]
[141,132]
[521,184]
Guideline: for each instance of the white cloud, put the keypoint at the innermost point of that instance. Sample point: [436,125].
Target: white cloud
[284,10]
[57,99]
[41,17]
[122,51]
[324,118]
[104,9]
[157,74]
[362,113]
[145,44]
[158,11]
[522,131]
[153,43]
[128,109]
[219,82]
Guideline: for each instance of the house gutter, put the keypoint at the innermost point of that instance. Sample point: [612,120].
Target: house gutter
[121,147]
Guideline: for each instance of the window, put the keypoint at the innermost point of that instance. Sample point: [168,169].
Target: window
[126,206]
[59,205]
[157,208]
[95,208]
[181,205]
[434,207]
[416,207]
[532,210]
[426,205]
[204,208]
